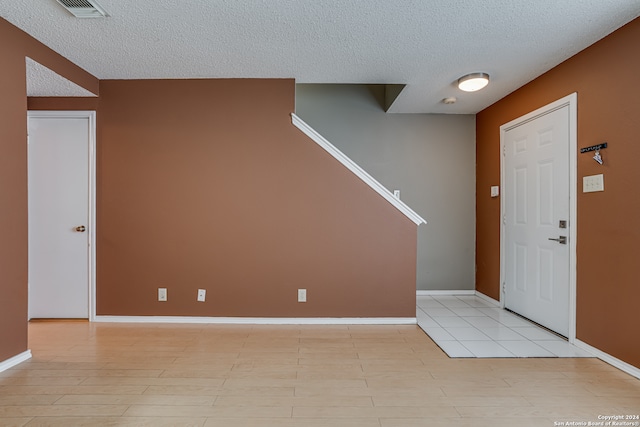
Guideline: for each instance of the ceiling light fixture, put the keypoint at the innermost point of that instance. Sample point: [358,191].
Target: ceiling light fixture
[473,82]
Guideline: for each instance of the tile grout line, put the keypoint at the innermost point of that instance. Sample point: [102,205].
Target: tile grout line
[454,306]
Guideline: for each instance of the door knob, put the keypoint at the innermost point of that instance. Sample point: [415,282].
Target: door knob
[562,240]
[81,228]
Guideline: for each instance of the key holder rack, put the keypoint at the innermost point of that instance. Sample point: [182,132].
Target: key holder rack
[597,157]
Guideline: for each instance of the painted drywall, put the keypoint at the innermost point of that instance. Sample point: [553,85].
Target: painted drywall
[207,184]
[62,103]
[608,234]
[430,158]
[15,46]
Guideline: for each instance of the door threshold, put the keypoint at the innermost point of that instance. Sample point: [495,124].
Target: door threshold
[537,324]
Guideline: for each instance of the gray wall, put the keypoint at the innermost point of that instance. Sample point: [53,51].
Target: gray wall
[430,158]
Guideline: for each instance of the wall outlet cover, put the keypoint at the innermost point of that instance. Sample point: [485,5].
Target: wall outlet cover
[593,183]
[302,295]
[162,294]
[202,295]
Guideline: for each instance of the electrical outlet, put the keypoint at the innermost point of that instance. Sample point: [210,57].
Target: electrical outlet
[302,295]
[202,294]
[162,294]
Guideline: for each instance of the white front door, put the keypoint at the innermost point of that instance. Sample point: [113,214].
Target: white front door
[59,214]
[537,218]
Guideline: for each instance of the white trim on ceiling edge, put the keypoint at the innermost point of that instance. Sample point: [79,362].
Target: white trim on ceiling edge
[262,320]
[357,170]
[15,360]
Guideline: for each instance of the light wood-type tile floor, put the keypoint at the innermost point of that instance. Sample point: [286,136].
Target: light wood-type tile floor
[99,374]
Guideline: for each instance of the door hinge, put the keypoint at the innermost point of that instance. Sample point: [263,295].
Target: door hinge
[504,219]
[504,288]
[504,150]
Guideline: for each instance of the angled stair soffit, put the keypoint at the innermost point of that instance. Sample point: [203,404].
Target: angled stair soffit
[391,93]
[41,81]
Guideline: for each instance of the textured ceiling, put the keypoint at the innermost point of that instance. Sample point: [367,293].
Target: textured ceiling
[425,44]
[41,81]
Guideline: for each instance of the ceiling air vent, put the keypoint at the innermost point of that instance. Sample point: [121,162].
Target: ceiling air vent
[84,8]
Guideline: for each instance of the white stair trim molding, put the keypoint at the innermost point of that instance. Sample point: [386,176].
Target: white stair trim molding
[357,170]
[261,320]
[605,357]
[15,360]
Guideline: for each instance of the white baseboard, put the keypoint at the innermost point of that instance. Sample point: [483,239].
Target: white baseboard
[488,299]
[613,361]
[262,320]
[15,360]
[423,293]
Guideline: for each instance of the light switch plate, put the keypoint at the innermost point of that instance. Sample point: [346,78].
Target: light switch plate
[162,294]
[495,191]
[593,183]
[302,295]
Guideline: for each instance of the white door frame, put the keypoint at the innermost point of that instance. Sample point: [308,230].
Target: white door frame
[572,102]
[91,226]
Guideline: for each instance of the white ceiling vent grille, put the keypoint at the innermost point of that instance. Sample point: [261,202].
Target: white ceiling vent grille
[84,8]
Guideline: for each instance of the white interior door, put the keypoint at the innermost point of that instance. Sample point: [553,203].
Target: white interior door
[537,219]
[59,214]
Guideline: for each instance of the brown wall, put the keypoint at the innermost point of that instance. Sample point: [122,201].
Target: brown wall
[207,184]
[604,76]
[63,103]
[15,45]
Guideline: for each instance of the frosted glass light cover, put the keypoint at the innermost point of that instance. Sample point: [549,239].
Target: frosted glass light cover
[473,82]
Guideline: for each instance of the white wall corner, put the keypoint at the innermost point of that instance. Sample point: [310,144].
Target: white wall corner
[357,170]
[15,360]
